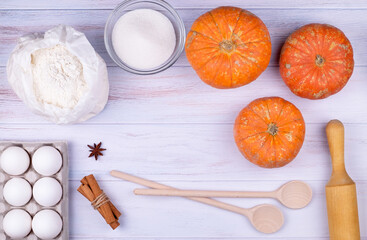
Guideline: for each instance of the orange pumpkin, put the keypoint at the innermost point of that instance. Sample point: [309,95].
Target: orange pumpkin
[269,132]
[316,61]
[228,47]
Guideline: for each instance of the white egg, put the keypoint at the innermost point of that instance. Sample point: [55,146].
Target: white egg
[17,224]
[17,192]
[47,160]
[47,192]
[14,160]
[47,224]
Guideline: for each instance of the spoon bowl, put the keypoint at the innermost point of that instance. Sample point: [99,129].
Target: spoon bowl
[294,194]
[266,218]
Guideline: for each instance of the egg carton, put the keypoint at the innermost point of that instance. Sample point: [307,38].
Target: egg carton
[32,207]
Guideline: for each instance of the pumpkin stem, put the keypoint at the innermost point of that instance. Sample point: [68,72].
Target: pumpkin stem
[227,46]
[272,129]
[319,60]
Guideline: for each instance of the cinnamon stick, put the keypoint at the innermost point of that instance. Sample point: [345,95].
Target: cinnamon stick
[97,191]
[113,208]
[91,190]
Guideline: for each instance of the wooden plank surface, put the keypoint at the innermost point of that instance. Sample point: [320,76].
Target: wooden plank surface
[172,128]
[280,22]
[178,96]
[192,4]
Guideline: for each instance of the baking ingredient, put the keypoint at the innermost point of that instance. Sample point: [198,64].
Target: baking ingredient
[90,189]
[228,47]
[47,160]
[47,224]
[143,38]
[47,191]
[17,192]
[14,160]
[316,61]
[96,150]
[17,224]
[269,132]
[59,75]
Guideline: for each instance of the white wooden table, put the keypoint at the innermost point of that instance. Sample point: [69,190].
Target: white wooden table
[173,128]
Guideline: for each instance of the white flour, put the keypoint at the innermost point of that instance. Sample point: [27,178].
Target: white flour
[57,77]
[143,38]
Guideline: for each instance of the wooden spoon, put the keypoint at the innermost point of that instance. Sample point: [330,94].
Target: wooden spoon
[293,194]
[265,218]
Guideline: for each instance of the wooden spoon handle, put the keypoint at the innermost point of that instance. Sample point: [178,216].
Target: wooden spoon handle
[208,201]
[202,193]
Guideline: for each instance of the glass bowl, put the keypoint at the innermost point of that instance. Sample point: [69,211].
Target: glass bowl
[158,5]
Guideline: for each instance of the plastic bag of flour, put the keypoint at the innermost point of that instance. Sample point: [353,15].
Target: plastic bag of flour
[59,75]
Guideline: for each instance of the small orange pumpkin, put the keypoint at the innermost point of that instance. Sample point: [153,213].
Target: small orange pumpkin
[228,47]
[316,61]
[269,132]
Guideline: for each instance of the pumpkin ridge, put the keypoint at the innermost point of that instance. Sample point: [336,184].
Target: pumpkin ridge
[336,59]
[284,132]
[272,122]
[300,69]
[280,113]
[323,43]
[216,24]
[286,123]
[235,26]
[217,70]
[243,35]
[231,69]
[263,144]
[200,49]
[206,24]
[303,77]
[253,135]
[340,79]
[282,142]
[216,55]
[269,149]
[225,20]
[306,54]
[247,60]
[274,148]
[206,36]
[258,116]
[300,64]
[247,43]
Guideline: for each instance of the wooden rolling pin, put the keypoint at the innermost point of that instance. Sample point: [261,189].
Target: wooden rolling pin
[341,196]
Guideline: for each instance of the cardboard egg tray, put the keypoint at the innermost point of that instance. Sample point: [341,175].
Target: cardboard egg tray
[32,207]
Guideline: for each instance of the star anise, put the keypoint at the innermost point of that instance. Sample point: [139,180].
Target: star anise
[96,150]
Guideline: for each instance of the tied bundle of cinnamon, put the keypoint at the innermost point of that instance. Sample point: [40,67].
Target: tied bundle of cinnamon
[99,200]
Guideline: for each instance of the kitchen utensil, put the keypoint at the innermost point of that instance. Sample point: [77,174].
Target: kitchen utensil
[265,218]
[341,197]
[293,194]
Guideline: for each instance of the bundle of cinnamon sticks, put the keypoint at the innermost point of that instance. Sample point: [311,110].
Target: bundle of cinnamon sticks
[91,190]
